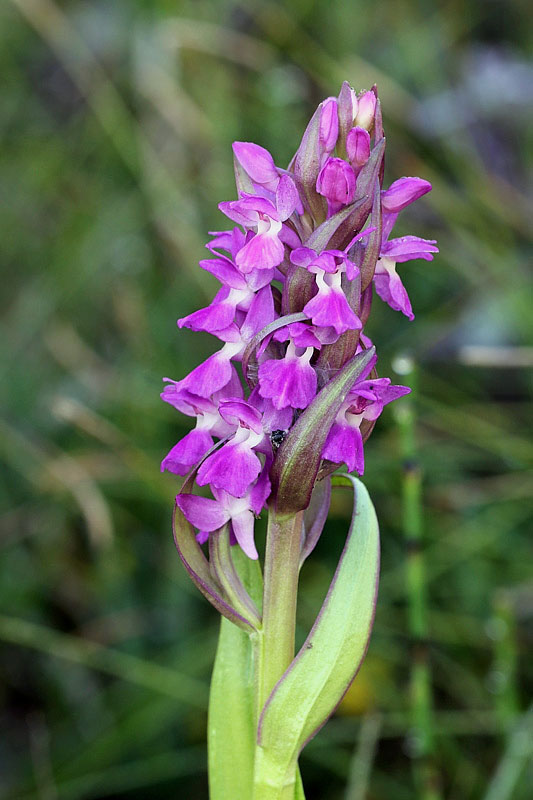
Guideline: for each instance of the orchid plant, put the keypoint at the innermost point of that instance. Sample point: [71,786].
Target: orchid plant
[298,271]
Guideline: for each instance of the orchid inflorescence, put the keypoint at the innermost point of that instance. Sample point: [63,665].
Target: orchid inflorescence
[297,273]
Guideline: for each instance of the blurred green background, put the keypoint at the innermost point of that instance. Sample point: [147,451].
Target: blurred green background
[116,129]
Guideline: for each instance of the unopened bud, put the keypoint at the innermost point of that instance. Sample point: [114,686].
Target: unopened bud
[329,124]
[366,107]
[336,181]
[358,146]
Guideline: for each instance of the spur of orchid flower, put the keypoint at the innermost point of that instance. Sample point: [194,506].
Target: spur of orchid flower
[291,393]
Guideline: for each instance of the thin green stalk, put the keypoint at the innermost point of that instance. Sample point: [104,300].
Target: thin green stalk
[274,646]
[423,740]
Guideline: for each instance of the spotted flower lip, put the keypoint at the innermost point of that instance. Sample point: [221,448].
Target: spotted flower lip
[307,248]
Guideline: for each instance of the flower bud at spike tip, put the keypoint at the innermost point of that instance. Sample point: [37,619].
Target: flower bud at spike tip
[306,249]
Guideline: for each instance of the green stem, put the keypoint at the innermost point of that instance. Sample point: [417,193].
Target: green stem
[426,775]
[274,645]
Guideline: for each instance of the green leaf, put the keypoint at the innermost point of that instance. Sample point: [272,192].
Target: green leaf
[330,657]
[298,460]
[231,722]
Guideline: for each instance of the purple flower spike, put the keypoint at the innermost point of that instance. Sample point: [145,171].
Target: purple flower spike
[297,273]
[402,193]
[358,146]
[290,381]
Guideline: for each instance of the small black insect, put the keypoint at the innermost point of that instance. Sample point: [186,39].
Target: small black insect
[277,437]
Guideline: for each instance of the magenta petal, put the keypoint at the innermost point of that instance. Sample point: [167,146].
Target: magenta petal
[260,314]
[239,411]
[336,181]
[233,468]
[264,251]
[329,124]
[402,193]
[260,491]
[287,382]
[215,317]
[330,308]
[286,197]
[345,444]
[210,376]
[187,452]
[407,248]
[358,146]
[202,512]
[243,528]
[225,271]
[390,288]
[258,163]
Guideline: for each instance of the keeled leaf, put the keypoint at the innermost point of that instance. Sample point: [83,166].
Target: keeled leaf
[231,723]
[329,659]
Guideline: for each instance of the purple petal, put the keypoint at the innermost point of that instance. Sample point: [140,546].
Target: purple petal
[260,491]
[330,308]
[233,468]
[286,197]
[260,313]
[288,382]
[336,181]
[358,146]
[345,444]
[210,376]
[213,318]
[185,401]
[329,124]
[258,163]
[402,193]
[243,528]
[225,271]
[187,452]
[264,251]
[202,512]
[407,248]
[390,288]
[239,411]
[366,107]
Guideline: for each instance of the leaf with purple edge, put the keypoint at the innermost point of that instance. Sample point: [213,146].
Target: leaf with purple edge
[298,459]
[315,517]
[316,681]
[197,564]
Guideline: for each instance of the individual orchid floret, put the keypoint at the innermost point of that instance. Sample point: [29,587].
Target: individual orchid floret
[365,401]
[218,317]
[210,515]
[358,146]
[214,373]
[336,182]
[290,381]
[390,288]
[235,465]
[258,164]
[402,193]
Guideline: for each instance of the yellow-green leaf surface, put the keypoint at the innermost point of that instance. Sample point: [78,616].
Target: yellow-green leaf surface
[330,657]
[231,725]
